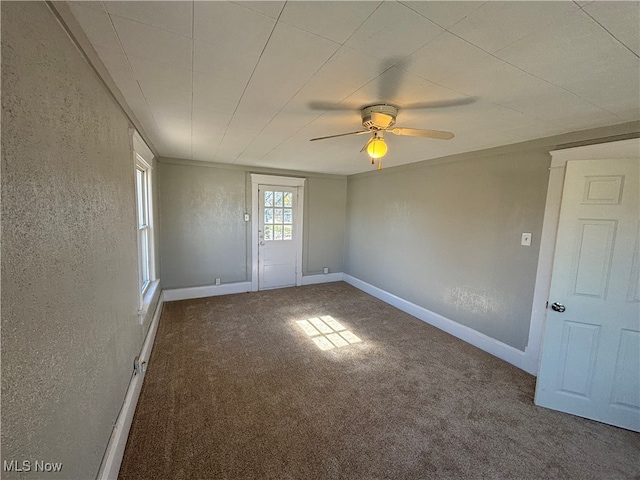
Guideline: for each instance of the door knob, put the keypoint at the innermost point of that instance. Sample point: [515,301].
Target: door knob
[558,307]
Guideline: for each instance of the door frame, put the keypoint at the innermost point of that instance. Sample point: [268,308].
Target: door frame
[274,180]
[602,151]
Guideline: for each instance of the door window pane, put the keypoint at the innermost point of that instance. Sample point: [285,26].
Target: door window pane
[277,215]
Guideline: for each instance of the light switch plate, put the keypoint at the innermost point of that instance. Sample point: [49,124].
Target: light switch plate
[526,240]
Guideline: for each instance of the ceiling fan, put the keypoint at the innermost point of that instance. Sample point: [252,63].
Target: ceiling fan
[380,118]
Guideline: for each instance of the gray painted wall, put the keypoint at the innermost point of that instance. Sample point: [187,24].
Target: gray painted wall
[447,237]
[445,234]
[69,302]
[325,222]
[204,235]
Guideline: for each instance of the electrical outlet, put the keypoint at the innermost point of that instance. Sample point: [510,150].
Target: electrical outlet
[246,217]
[217,281]
[137,367]
[326,270]
[526,240]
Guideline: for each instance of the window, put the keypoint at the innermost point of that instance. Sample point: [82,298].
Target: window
[143,216]
[278,215]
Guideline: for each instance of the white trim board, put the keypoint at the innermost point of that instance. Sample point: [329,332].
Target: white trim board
[239,287]
[205,291]
[599,151]
[322,278]
[114,453]
[475,338]
[141,148]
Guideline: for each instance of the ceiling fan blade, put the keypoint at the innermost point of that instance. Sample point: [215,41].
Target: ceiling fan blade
[381,119]
[415,132]
[440,103]
[367,144]
[342,107]
[360,132]
[390,78]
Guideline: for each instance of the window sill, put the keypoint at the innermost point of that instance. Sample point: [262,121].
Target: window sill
[147,298]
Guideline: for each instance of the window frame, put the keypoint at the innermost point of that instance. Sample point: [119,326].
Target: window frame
[146,281]
[143,225]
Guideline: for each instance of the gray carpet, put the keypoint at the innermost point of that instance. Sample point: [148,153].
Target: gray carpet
[236,389]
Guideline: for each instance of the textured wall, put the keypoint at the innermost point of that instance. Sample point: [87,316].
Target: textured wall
[203,233]
[203,230]
[69,326]
[325,223]
[447,237]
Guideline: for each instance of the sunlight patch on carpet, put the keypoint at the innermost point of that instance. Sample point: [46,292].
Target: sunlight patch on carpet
[327,333]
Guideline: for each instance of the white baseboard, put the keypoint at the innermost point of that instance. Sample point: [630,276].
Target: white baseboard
[475,338]
[322,278]
[205,291]
[112,460]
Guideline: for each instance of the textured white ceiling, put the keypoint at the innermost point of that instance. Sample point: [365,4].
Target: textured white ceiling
[251,82]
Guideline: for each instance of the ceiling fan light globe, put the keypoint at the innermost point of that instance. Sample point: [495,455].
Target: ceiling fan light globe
[377,148]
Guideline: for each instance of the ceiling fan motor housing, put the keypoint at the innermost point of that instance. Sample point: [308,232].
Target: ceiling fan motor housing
[379,117]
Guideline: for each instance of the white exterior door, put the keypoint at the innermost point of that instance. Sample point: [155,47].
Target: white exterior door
[590,362]
[278,235]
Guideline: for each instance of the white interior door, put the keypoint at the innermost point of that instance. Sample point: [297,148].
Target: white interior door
[278,233]
[590,362]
